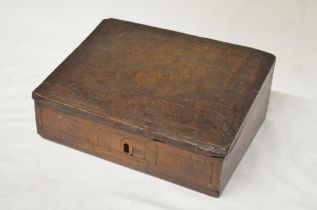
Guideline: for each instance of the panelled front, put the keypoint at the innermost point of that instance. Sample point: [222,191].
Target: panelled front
[153,157]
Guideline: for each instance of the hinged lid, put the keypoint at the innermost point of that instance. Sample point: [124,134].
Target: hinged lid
[180,89]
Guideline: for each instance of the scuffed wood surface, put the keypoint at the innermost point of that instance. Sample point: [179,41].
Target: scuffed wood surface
[180,89]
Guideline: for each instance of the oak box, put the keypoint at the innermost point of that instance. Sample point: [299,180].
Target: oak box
[176,106]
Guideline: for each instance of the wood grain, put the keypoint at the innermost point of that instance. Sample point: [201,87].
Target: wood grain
[176,106]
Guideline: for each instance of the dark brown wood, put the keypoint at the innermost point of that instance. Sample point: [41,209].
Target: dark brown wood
[176,106]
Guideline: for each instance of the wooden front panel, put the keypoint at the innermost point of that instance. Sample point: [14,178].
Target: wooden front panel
[185,165]
[65,125]
[156,158]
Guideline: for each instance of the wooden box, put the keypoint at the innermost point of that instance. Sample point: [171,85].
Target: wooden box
[176,106]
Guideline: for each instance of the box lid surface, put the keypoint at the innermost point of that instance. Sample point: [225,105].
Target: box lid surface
[180,89]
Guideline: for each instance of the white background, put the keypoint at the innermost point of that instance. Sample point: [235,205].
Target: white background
[279,171]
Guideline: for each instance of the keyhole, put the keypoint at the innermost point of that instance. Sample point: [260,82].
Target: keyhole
[126,148]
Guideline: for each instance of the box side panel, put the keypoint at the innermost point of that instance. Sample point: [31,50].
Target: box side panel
[248,130]
[197,172]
